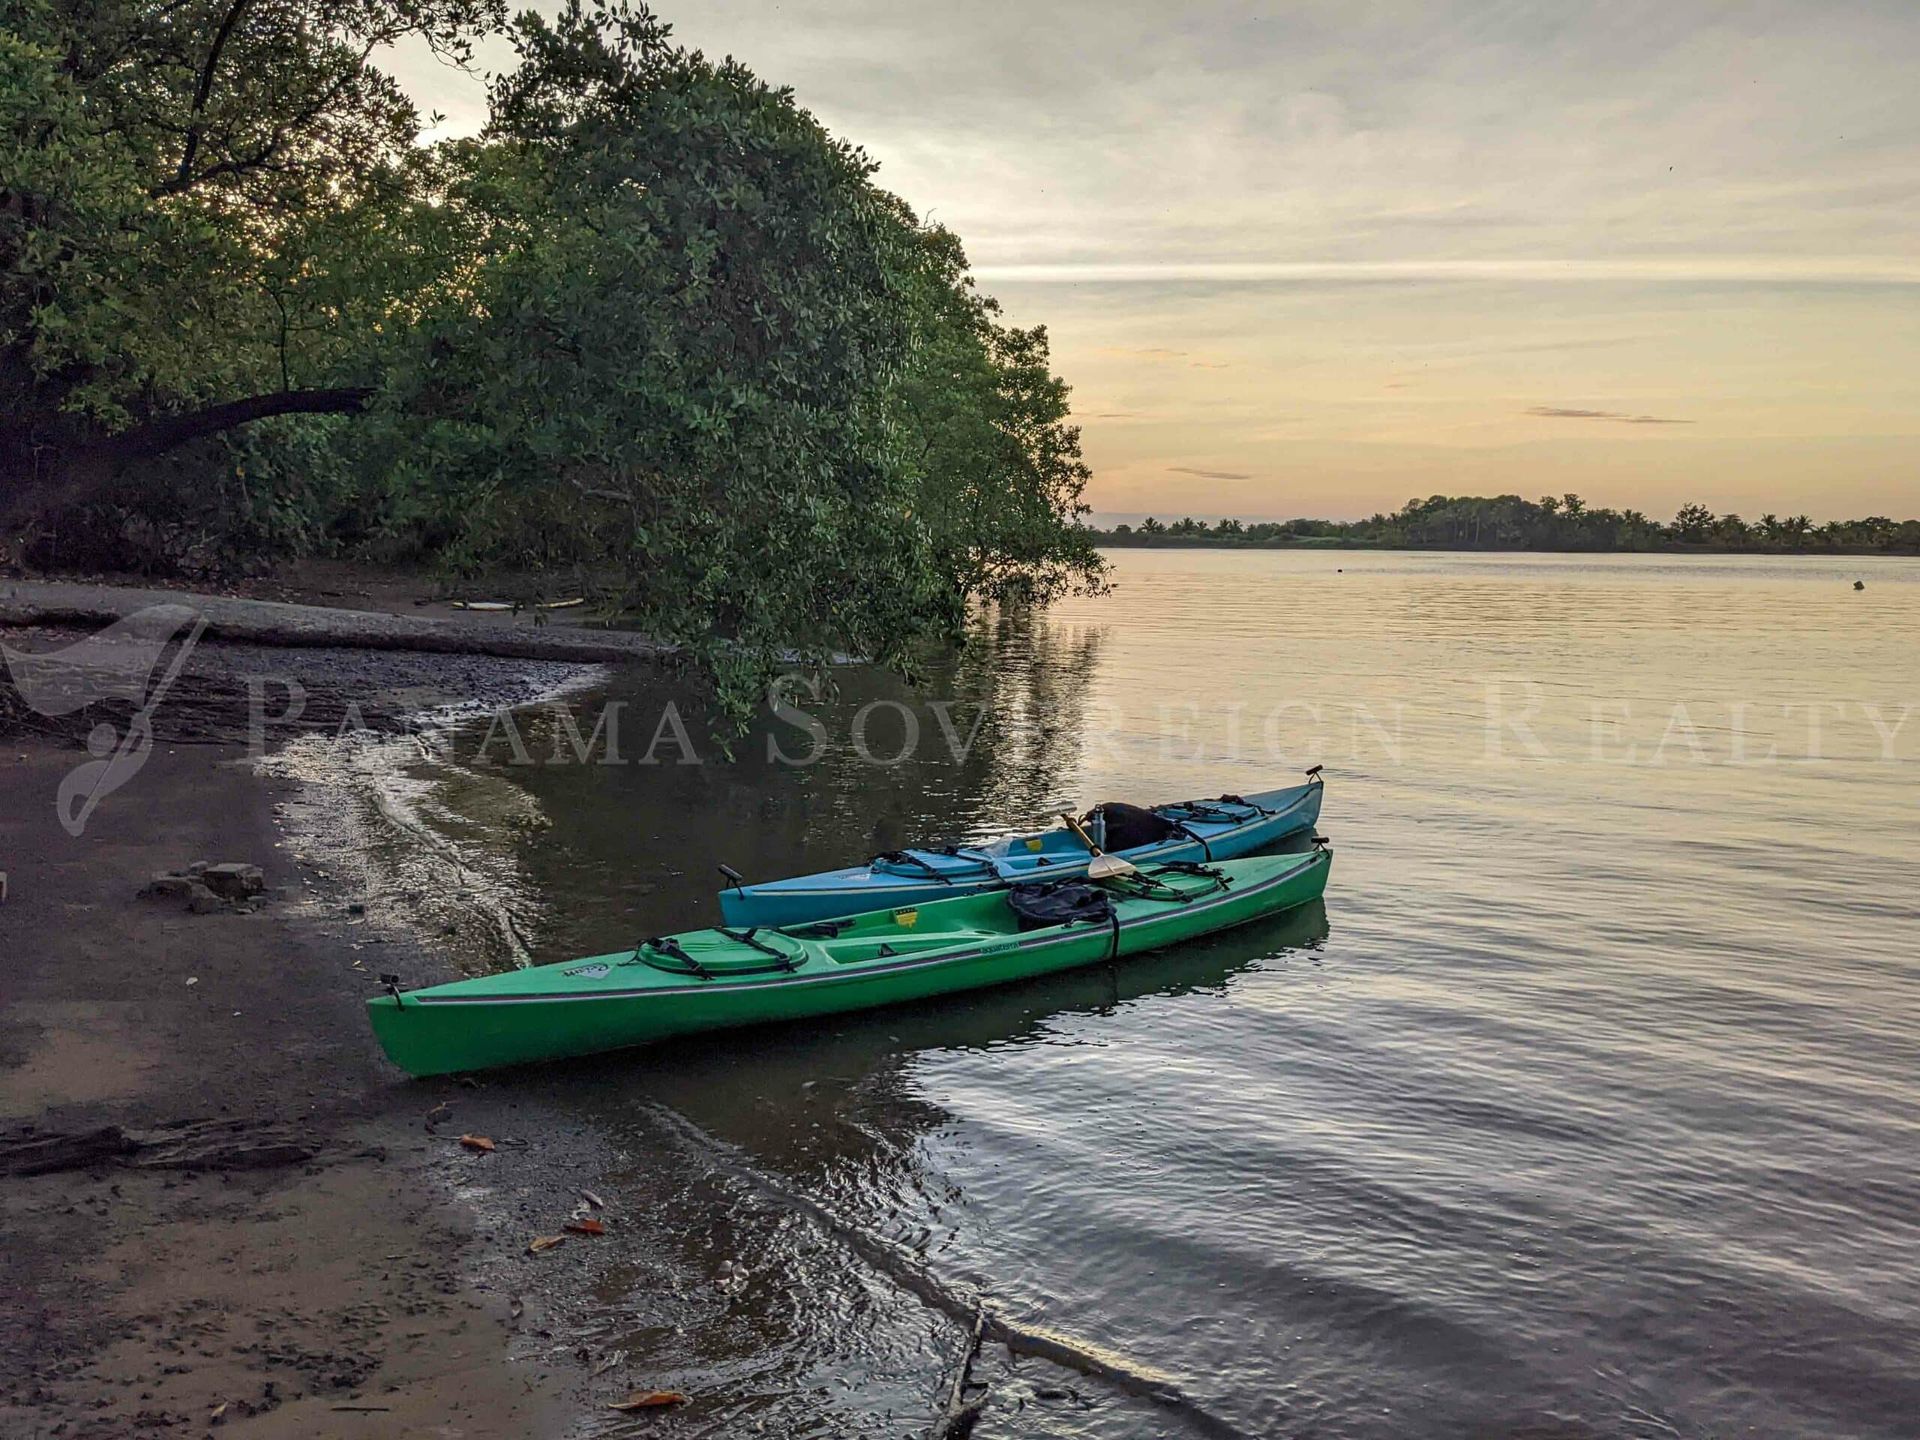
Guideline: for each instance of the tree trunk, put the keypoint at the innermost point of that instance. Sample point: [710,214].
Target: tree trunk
[40,478]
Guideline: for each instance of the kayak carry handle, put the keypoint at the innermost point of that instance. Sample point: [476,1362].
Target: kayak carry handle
[1321,840]
[734,877]
[391,984]
[1312,771]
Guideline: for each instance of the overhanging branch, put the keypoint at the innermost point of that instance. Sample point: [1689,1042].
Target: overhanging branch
[158,436]
[49,475]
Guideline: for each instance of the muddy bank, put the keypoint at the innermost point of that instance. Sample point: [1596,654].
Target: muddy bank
[223,1208]
[239,693]
[326,1240]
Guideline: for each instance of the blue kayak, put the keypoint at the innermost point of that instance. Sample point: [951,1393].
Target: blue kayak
[1198,830]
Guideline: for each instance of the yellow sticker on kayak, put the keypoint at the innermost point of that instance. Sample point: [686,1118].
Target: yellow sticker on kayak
[1034,844]
[905,917]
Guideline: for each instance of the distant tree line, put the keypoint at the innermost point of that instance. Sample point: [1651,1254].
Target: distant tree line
[1553,522]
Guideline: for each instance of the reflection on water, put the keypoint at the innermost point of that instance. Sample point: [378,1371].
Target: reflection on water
[991,742]
[872,1055]
[1585,1108]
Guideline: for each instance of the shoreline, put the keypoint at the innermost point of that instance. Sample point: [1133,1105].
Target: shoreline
[277,1240]
[330,1255]
[293,626]
[1105,541]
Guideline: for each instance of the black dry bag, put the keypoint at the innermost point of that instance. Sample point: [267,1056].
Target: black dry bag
[1129,826]
[1061,902]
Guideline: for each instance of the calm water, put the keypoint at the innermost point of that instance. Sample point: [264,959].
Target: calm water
[1587,1106]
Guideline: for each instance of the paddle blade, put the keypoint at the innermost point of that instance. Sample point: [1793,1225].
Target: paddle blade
[1105,867]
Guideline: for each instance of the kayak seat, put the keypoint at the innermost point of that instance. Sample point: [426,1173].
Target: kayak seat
[859,949]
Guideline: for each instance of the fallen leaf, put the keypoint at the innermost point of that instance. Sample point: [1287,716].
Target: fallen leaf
[592,1199]
[585,1227]
[218,1411]
[477,1142]
[649,1399]
[545,1242]
[439,1113]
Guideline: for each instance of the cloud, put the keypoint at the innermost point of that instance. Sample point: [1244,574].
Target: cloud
[1332,193]
[1564,412]
[1705,268]
[1207,474]
[1353,142]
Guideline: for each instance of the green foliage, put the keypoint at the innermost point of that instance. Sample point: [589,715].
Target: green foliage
[987,438]
[674,356]
[654,325]
[699,346]
[216,508]
[1555,522]
[175,180]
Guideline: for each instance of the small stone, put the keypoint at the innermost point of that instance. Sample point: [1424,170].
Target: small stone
[356,908]
[199,868]
[167,883]
[234,881]
[202,901]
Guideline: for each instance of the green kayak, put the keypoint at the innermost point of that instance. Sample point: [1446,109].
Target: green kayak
[715,979]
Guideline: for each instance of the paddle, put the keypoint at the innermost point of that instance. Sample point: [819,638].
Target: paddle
[1102,866]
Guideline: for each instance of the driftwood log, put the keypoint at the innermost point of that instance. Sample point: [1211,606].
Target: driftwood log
[183,1145]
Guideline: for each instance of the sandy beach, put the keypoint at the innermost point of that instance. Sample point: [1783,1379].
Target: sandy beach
[223,1207]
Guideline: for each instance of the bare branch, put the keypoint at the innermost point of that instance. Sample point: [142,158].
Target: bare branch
[205,89]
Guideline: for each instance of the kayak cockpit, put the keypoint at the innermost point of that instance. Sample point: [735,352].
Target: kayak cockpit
[864,949]
[912,930]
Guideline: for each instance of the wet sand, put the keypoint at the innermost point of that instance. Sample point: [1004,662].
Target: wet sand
[245,1207]
[140,1298]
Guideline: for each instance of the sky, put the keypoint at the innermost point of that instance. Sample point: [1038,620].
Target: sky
[1320,258]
